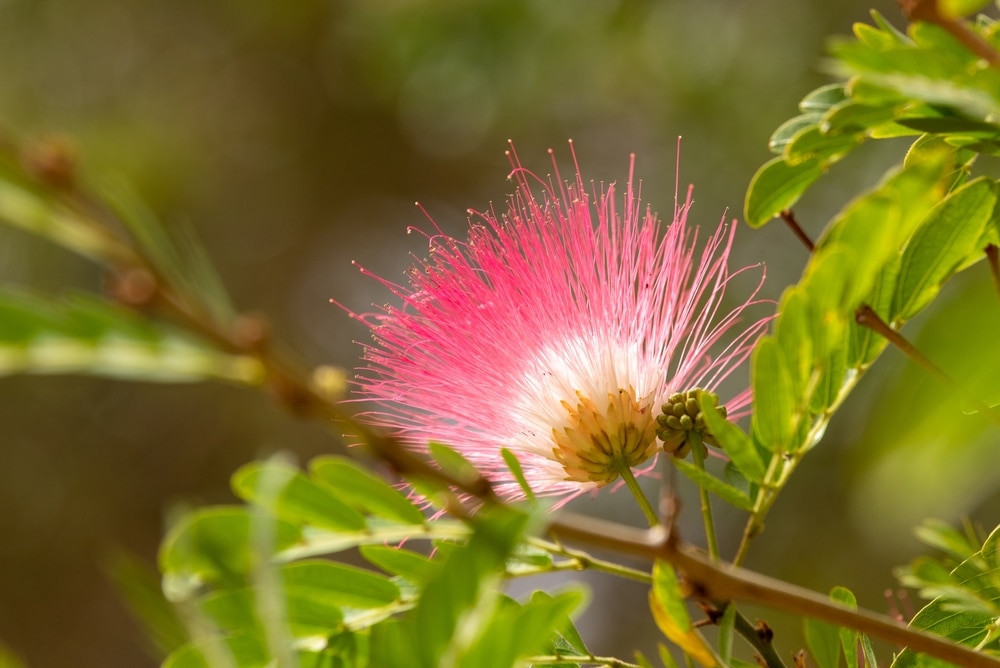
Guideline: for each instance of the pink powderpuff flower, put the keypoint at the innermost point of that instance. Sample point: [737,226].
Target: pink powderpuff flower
[556,331]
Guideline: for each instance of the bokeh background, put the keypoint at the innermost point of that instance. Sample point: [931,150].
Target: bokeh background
[295,137]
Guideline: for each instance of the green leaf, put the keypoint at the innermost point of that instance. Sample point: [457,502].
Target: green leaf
[823,641]
[452,462]
[212,545]
[787,130]
[239,651]
[933,68]
[392,644]
[413,566]
[774,416]
[858,117]
[83,335]
[731,495]
[813,143]
[776,186]
[283,490]
[967,606]
[305,614]
[517,631]
[466,586]
[951,125]
[727,627]
[848,637]
[567,629]
[734,442]
[338,584]
[359,488]
[514,465]
[823,98]
[942,244]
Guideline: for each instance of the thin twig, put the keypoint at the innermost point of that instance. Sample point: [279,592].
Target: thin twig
[788,216]
[723,582]
[290,382]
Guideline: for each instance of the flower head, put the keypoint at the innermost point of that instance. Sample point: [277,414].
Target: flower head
[557,331]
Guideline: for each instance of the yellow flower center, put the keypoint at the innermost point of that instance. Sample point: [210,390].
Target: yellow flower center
[600,438]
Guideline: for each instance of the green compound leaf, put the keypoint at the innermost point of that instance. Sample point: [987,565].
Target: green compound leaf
[465,589]
[80,334]
[966,603]
[284,491]
[357,487]
[213,545]
[517,631]
[728,493]
[776,186]
[945,242]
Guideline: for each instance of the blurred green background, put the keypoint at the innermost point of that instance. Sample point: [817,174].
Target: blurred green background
[295,137]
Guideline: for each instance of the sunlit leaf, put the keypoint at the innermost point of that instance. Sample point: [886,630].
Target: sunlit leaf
[774,407]
[283,490]
[731,495]
[777,186]
[356,486]
[339,584]
[848,637]
[787,130]
[823,98]
[824,642]
[466,586]
[411,565]
[942,244]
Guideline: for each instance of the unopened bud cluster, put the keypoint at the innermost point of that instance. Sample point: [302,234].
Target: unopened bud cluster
[682,414]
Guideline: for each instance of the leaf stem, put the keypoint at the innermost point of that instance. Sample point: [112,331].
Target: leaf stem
[789,217]
[580,560]
[633,486]
[698,454]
